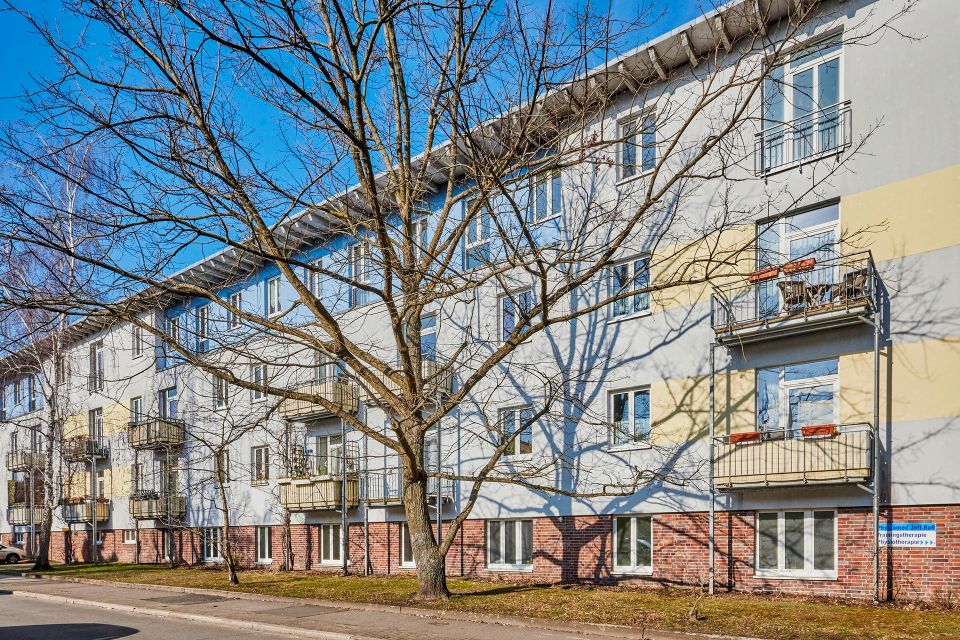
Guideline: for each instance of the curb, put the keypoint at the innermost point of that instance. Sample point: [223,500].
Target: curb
[580,628]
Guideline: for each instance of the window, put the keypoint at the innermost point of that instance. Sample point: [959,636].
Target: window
[510,545]
[428,336]
[801,106]
[630,415]
[167,402]
[172,329]
[19,538]
[101,483]
[406,547]
[212,540]
[360,272]
[513,420]
[136,409]
[17,391]
[327,452]
[221,393]
[136,478]
[139,343]
[632,544]
[273,296]
[260,464]
[95,424]
[203,328]
[633,275]
[129,536]
[515,313]
[639,146]
[325,368]
[100,538]
[258,375]
[313,281]
[331,544]
[95,380]
[235,301]
[421,239]
[264,545]
[477,237]
[798,395]
[223,462]
[546,197]
[796,544]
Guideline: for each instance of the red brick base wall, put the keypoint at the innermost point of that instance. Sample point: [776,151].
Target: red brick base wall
[580,549]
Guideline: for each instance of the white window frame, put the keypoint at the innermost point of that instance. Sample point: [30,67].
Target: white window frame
[235,300]
[633,568]
[224,455]
[129,536]
[314,282]
[257,395]
[203,328]
[264,544]
[164,399]
[136,409]
[273,297]
[331,551]
[19,538]
[360,272]
[808,572]
[212,544]
[221,393]
[628,127]
[513,296]
[552,183]
[406,546]
[138,346]
[18,391]
[633,442]
[95,423]
[631,301]
[515,453]
[421,230]
[259,465]
[517,564]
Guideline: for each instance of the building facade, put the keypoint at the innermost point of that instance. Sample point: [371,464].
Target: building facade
[807,404]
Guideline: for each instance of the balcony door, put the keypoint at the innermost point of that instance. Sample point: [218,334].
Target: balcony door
[796,396]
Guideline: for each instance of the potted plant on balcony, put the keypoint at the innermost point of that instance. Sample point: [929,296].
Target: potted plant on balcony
[799,266]
[819,431]
[745,437]
[766,273]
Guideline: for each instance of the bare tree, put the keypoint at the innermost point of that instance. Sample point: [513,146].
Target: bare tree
[424,138]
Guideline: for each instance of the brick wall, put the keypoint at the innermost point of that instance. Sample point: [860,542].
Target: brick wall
[579,549]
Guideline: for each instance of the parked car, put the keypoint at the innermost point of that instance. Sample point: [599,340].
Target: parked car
[12,555]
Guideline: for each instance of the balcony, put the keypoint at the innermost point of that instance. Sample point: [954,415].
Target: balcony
[84,449]
[158,433]
[385,487]
[436,374]
[80,511]
[811,137]
[158,506]
[316,482]
[18,514]
[800,296]
[821,455]
[339,392]
[24,460]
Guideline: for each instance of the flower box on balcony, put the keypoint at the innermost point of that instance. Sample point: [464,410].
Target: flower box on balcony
[799,266]
[819,431]
[744,438]
[762,274]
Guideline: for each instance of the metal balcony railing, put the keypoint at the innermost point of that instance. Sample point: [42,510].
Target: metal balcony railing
[339,392]
[314,494]
[82,510]
[153,505]
[385,486]
[24,460]
[437,376]
[824,454]
[84,448]
[815,135]
[333,463]
[21,515]
[799,290]
[155,433]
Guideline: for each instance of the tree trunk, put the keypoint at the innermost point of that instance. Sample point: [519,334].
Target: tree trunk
[287,543]
[227,551]
[229,558]
[431,563]
[41,556]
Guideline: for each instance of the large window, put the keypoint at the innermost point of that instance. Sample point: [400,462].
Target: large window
[95,424]
[627,277]
[477,237]
[273,296]
[546,197]
[514,312]
[406,547]
[428,336]
[95,380]
[630,416]
[632,544]
[327,453]
[212,541]
[360,271]
[260,464]
[639,145]
[258,375]
[513,421]
[798,395]
[331,544]
[510,545]
[167,401]
[264,545]
[139,343]
[796,544]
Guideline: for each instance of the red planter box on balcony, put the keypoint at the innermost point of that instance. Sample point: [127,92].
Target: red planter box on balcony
[799,266]
[743,438]
[819,431]
[762,274]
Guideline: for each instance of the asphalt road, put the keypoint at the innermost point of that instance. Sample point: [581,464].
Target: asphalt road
[30,619]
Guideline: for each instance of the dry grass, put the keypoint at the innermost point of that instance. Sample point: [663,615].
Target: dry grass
[782,618]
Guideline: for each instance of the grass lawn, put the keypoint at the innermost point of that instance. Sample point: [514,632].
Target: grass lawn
[782,618]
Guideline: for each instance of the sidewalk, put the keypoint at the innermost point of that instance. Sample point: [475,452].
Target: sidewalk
[311,618]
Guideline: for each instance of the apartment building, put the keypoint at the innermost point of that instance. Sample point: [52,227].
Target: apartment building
[806,402]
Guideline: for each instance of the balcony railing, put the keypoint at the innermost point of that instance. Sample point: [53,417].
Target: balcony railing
[316,480]
[149,505]
[19,514]
[18,491]
[385,486]
[81,511]
[155,433]
[825,454]
[437,376]
[24,460]
[815,135]
[333,463]
[800,295]
[84,448]
[339,392]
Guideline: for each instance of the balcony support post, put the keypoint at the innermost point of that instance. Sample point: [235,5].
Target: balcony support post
[344,533]
[365,496]
[877,325]
[712,567]
[93,506]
